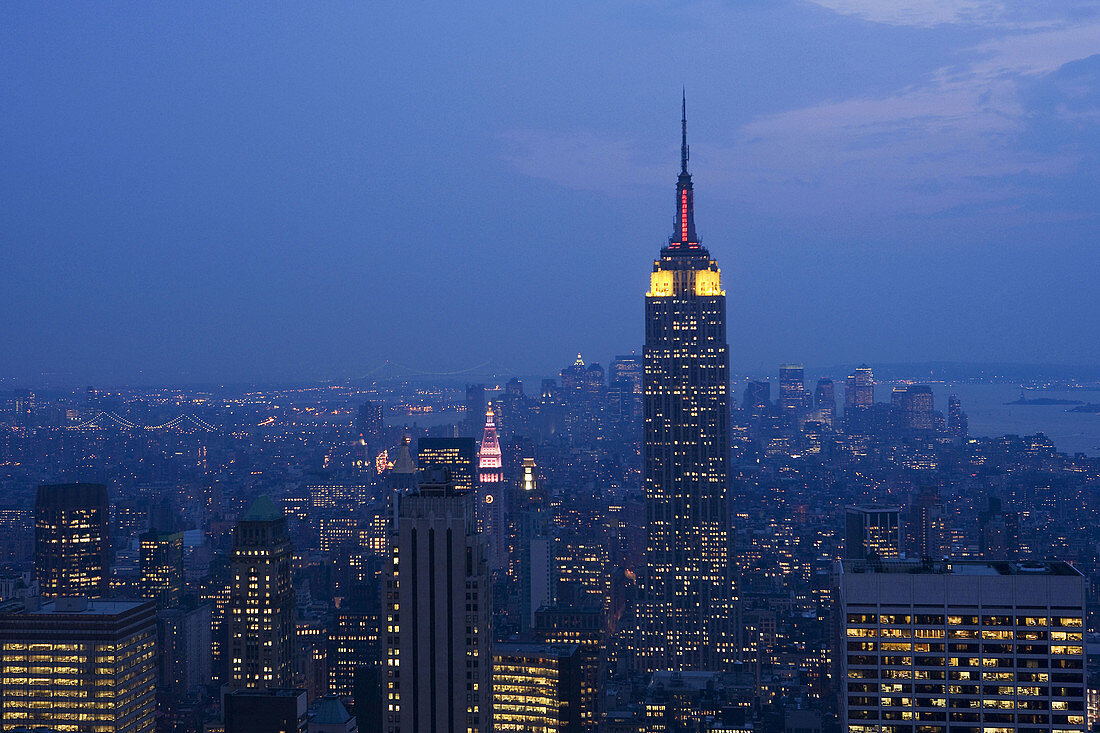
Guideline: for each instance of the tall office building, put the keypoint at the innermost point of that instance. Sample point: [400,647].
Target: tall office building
[71,541]
[457,455]
[489,462]
[531,557]
[261,624]
[537,687]
[475,408]
[684,620]
[926,525]
[492,496]
[792,387]
[758,396]
[370,423]
[184,659]
[825,396]
[998,531]
[872,530]
[961,647]
[438,614]
[161,561]
[79,665]
[585,628]
[958,426]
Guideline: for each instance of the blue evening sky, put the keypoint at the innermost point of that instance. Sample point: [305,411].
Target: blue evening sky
[265,191]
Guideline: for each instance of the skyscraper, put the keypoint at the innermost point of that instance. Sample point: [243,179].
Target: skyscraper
[261,600]
[71,540]
[438,614]
[958,426]
[872,530]
[537,687]
[792,388]
[825,400]
[684,618]
[161,558]
[457,455]
[492,498]
[531,547]
[475,407]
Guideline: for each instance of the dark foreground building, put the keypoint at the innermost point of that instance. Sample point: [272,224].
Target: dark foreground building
[78,664]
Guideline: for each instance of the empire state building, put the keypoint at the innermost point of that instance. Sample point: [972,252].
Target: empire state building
[685,613]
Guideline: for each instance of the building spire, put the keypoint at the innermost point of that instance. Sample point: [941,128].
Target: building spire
[684,135]
[684,238]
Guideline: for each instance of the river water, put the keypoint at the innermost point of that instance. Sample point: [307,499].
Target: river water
[984,404]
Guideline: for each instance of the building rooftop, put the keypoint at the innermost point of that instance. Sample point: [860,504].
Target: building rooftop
[262,510]
[545,650]
[959,567]
[90,606]
[331,711]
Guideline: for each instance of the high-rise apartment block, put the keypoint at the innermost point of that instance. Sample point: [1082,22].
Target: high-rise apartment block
[438,600]
[961,647]
[75,664]
[71,541]
[261,623]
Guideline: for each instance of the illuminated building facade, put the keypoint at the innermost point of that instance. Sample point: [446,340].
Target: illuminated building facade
[537,688]
[859,398]
[492,498]
[353,644]
[962,647]
[872,530]
[583,627]
[792,387]
[438,599]
[337,532]
[79,665]
[926,525]
[682,701]
[161,558]
[71,541]
[531,561]
[261,622]
[684,618]
[457,455]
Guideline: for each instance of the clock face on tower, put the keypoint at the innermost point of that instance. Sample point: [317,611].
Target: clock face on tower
[488,498]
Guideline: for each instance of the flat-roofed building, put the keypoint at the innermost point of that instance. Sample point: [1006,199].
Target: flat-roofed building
[961,647]
[537,687]
[872,530]
[78,665]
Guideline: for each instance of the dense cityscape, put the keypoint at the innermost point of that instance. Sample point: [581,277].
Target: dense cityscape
[655,546]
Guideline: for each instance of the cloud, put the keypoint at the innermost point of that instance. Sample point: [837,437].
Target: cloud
[924,13]
[962,141]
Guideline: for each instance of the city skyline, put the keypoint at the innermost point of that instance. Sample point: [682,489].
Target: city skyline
[888,184]
[292,433]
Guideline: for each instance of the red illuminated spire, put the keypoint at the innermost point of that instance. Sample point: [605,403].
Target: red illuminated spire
[684,238]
